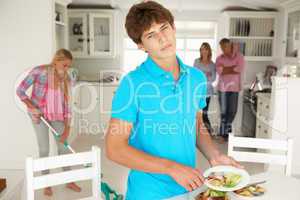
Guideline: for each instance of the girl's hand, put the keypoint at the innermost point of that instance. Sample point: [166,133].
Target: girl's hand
[64,136]
[36,114]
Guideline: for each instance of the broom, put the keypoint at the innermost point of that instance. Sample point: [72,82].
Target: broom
[105,189]
[57,136]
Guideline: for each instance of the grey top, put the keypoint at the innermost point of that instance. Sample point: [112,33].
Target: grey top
[210,72]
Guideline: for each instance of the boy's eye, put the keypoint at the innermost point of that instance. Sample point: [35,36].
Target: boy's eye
[150,36]
[164,27]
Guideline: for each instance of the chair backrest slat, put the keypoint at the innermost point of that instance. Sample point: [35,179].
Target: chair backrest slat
[260,143]
[90,173]
[268,144]
[62,161]
[259,157]
[63,177]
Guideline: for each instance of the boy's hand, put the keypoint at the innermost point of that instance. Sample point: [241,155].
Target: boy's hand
[222,159]
[185,176]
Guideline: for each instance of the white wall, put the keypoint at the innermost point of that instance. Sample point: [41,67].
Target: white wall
[26,41]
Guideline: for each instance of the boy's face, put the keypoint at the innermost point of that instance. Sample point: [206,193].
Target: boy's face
[159,41]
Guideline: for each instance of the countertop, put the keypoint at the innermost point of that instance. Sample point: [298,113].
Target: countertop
[84,82]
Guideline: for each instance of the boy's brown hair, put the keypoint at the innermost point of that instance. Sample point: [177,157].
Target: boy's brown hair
[142,15]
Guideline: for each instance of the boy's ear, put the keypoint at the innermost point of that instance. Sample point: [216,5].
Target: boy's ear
[141,47]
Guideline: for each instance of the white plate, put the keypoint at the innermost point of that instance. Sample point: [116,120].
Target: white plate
[228,169]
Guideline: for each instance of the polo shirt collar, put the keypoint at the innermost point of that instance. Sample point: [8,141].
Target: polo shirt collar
[157,71]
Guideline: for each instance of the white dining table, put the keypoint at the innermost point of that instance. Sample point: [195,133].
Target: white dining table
[278,187]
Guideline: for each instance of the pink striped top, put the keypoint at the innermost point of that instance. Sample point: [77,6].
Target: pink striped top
[230,82]
[54,105]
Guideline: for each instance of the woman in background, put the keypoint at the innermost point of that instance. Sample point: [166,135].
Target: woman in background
[50,98]
[205,64]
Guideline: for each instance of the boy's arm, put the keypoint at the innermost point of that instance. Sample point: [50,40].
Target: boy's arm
[204,141]
[118,150]
[209,149]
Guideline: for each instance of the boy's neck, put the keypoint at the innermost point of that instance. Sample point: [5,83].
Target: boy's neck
[169,64]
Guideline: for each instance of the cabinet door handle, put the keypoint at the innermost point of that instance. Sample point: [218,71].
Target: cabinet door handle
[80,39]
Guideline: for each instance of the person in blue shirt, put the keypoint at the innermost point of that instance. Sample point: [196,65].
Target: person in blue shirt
[206,65]
[156,121]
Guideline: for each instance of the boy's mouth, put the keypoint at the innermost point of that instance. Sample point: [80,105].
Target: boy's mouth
[166,47]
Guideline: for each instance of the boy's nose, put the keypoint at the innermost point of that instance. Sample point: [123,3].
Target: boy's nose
[161,37]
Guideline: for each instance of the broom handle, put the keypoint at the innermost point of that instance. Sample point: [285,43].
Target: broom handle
[56,134]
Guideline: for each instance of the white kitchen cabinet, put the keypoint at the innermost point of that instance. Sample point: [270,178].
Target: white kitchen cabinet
[292,32]
[92,33]
[255,32]
[60,21]
[89,122]
[93,107]
[284,112]
[107,92]
[75,107]
[263,115]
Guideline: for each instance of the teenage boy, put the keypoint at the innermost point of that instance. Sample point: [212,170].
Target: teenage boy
[156,121]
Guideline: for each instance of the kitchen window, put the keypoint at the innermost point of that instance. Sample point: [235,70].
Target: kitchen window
[189,37]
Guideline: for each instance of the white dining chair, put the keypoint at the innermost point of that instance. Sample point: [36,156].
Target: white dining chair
[270,156]
[91,170]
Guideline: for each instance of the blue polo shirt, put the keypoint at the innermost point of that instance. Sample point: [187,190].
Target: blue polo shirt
[163,114]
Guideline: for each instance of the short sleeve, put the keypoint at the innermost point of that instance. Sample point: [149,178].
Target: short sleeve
[124,105]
